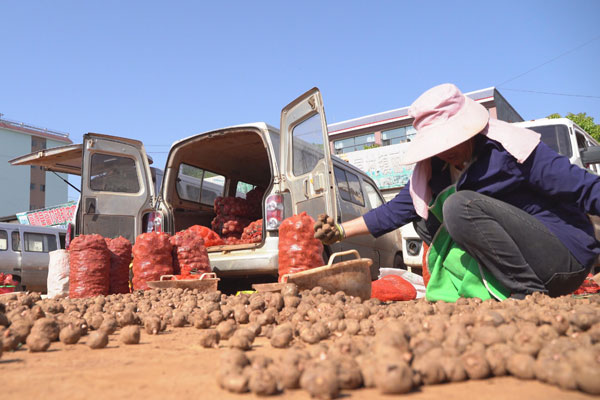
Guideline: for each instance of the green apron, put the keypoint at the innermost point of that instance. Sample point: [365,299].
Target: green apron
[454,273]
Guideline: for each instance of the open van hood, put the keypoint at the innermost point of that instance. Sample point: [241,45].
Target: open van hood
[66,159]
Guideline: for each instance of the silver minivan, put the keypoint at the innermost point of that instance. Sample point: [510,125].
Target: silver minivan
[24,253]
[293,166]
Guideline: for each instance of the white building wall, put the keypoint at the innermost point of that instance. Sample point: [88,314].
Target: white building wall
[56,189]
[14,181]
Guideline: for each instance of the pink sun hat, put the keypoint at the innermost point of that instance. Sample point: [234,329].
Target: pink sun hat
[443,118]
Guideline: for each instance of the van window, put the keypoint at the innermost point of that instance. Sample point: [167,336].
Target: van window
[198,185]
[110,173]
[307,145]
[39,242]
[372,196]
[342,183]
[555,136]
[242,188]
[349,186]
[16,241]
[3,240]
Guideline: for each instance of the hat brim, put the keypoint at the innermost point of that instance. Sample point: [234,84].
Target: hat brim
[471,119]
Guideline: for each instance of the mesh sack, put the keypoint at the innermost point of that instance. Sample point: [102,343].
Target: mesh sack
[120,258]
[190,253]
[89,266]
[253,232]
[298,249]
[152,258]
[211,238]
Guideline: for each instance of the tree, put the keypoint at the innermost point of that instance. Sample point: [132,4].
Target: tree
[584,121]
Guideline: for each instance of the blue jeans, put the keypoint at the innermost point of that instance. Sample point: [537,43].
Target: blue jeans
[513,245]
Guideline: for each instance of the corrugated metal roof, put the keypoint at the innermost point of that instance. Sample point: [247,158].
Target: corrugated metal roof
[386,117]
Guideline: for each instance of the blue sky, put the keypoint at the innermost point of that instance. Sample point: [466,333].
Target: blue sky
[160,71]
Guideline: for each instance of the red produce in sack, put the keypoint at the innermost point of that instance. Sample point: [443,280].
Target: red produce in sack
[298,248]
[253,232]
[152,258]
[232,206]
[226,225]
[89,267]
[7,280]
[190,252]
[393,288]
[120,258]
[254,199]
[210,237]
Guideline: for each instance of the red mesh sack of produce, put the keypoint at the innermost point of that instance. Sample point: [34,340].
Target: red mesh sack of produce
[298,249]
[120,258]
[229,240]
[89,267]
[254,199]
[393,288]
[152,258]
[190,252]
[253,232]
[228,225]
[211,238]
[232,206]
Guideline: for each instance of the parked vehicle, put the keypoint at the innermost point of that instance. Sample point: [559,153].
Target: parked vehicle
[293,166]
[24,253]
[564,136]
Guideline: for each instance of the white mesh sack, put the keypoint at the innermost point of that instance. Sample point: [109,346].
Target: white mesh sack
[58,274]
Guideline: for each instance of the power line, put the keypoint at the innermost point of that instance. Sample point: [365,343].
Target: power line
[551,93]
[551,60]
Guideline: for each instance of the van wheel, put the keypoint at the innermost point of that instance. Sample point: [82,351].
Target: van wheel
[399,261]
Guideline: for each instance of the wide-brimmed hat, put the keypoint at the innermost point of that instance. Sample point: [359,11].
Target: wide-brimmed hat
[443,118]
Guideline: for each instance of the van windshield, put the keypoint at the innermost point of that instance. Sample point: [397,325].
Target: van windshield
[555,136]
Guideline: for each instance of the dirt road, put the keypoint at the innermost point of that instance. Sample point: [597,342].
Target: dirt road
[172,365]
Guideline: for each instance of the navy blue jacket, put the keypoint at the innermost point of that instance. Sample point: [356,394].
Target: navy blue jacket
[546,186]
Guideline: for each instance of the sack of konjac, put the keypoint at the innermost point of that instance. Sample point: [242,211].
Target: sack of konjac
[120,258]
[253,232]
[210,237]
[298,249]
[89,266]
[152,258]
[190,252]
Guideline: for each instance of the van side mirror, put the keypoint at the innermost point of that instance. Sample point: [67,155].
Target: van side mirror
[591,155]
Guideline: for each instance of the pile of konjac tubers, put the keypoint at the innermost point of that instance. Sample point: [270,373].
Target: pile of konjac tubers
[333,342]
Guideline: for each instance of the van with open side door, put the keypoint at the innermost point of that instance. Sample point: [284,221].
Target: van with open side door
[293,166]
[24,253]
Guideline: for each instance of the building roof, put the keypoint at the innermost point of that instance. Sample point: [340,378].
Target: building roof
[21,127]
[386,117]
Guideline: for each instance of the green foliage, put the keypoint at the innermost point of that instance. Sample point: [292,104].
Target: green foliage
[371,146]
[584,121]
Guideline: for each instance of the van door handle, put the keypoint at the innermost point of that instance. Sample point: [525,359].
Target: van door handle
[90,205]
[305,185]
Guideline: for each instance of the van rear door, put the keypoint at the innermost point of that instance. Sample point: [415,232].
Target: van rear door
[116,187]
[305,156]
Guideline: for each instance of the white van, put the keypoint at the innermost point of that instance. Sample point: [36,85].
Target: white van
[561,134]
[24,253]
[293,166]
